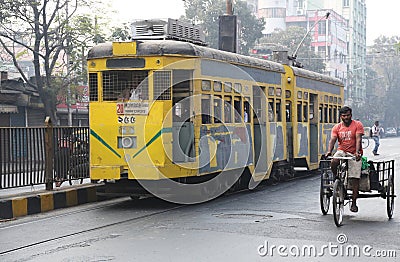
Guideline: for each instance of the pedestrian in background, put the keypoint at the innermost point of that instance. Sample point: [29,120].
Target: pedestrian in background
[376,129]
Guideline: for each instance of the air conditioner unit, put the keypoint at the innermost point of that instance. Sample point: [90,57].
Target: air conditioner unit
[167,29]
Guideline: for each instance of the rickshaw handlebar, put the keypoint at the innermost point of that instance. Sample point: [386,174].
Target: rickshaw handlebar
[343,157]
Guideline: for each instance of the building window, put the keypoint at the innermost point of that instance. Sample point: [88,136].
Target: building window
[273,12]
[322,27]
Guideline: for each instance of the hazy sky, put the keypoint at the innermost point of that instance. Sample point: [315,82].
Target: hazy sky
[383,16]
[143,9]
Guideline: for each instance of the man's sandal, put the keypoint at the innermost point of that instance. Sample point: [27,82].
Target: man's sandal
[354,209]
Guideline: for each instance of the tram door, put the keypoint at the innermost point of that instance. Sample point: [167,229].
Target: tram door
[313,118]
[182,122]
[259,126]
[289,131]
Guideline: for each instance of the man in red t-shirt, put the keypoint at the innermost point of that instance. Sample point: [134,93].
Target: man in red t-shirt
[348,133]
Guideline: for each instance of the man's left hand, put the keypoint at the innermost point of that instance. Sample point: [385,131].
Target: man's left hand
[358,156]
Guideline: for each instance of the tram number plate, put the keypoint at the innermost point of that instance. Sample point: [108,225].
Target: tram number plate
[133,108]
[126,119]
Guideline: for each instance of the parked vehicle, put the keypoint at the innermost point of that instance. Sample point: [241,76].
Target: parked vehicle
[390,131]
[71,157]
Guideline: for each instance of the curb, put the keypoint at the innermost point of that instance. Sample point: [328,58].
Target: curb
[39,202]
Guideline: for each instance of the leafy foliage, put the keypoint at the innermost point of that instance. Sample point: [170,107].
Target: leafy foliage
[206,13]
[288,40]
[54,38]
[387,64]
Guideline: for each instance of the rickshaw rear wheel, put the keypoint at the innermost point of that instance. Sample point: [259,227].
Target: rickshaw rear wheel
[390,196]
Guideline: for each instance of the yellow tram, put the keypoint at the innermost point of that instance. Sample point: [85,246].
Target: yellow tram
[167,113]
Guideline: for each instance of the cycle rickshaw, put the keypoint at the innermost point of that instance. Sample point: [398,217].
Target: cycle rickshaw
[377,180]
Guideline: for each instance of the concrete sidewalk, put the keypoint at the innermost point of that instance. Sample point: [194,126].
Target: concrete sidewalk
[16,202]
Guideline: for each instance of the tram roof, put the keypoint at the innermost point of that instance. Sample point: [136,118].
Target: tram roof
[317,76]
[171,47]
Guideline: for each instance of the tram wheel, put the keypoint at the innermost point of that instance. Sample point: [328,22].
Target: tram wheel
[212,188]
[324,193]
[390,196]
[338,202]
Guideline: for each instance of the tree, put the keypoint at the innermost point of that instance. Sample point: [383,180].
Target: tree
[83,33]
[48,33]
[288,40]
[386,63]
[120,33]
[206,14]
[375,90]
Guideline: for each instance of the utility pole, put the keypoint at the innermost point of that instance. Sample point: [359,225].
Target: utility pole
[229,7]
[228,30]
[68,99]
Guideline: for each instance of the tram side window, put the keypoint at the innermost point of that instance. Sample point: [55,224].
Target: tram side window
[217,86]
[320,114]
[162,85]
[311,110]
[237,87]
[278,111]
[205,110]
[238,109]
[182,111]
[288,111]
[330,114]
[228,87]
[246,112]
[299,113]
[271,114]
[205,85]
[305,112]
[257,103]
[217,109]
[227,110]
[335,118]
[93,87]
[326,119]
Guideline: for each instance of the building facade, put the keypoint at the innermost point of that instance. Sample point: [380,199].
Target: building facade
[20,104]
[329,38]
[341,40]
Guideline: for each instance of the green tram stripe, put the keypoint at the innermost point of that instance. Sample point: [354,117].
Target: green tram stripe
[104,142]
[154,138]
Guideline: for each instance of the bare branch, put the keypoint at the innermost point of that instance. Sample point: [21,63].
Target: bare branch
[15,62]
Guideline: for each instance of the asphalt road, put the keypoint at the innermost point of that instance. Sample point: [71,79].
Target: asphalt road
[274,223]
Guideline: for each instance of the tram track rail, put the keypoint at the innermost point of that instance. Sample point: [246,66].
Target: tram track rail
[80,232]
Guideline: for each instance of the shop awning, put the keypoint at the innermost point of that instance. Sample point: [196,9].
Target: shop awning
[8,109]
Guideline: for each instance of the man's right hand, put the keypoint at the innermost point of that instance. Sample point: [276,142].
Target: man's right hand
[327,154]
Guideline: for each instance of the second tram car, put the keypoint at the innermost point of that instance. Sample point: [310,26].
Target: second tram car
[165,114]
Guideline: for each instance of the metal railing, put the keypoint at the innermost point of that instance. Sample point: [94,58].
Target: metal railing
[43,155]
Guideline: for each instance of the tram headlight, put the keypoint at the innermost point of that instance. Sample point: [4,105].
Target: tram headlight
[126,130]
[127,142]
